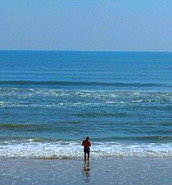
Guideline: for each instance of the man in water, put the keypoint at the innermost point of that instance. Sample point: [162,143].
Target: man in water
[86,143]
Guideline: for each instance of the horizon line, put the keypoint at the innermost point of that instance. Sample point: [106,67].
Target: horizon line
[85,50]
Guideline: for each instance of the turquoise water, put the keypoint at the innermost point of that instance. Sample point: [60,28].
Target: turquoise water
[49,102]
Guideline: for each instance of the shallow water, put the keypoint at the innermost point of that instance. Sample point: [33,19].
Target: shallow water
[117,171]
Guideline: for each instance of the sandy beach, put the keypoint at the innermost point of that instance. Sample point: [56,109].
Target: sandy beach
[143,171]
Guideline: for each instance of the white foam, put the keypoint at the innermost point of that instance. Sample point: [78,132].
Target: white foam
[62,149]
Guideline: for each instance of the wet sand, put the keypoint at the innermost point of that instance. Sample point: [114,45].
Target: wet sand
[137,171]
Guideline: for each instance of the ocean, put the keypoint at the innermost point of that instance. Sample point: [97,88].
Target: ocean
[51,100]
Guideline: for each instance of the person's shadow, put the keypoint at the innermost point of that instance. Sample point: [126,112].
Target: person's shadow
[86,169]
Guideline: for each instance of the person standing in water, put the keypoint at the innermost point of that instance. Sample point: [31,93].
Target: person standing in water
[86,143]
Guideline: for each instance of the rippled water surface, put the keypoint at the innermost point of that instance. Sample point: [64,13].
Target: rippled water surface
[49,101]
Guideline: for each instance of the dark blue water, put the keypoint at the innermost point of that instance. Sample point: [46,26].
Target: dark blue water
[122,100]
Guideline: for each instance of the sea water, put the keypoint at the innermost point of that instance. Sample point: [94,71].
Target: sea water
[51,100]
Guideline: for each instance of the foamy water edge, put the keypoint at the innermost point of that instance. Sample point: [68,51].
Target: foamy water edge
[64,149]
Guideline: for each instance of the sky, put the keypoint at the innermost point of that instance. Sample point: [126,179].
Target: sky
[86,25]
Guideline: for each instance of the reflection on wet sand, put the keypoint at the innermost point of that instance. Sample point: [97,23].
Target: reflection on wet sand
[86,169]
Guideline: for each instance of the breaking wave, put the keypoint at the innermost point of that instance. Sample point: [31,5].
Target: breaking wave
[68,150]
[75,83]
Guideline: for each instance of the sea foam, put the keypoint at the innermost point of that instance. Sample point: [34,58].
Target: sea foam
[66,149]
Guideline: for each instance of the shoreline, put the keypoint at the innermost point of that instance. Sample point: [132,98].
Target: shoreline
[124,170]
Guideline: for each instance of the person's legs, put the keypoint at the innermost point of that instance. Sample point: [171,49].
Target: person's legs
[88,155]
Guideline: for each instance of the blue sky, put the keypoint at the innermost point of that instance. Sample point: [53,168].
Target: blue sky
[110,25]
